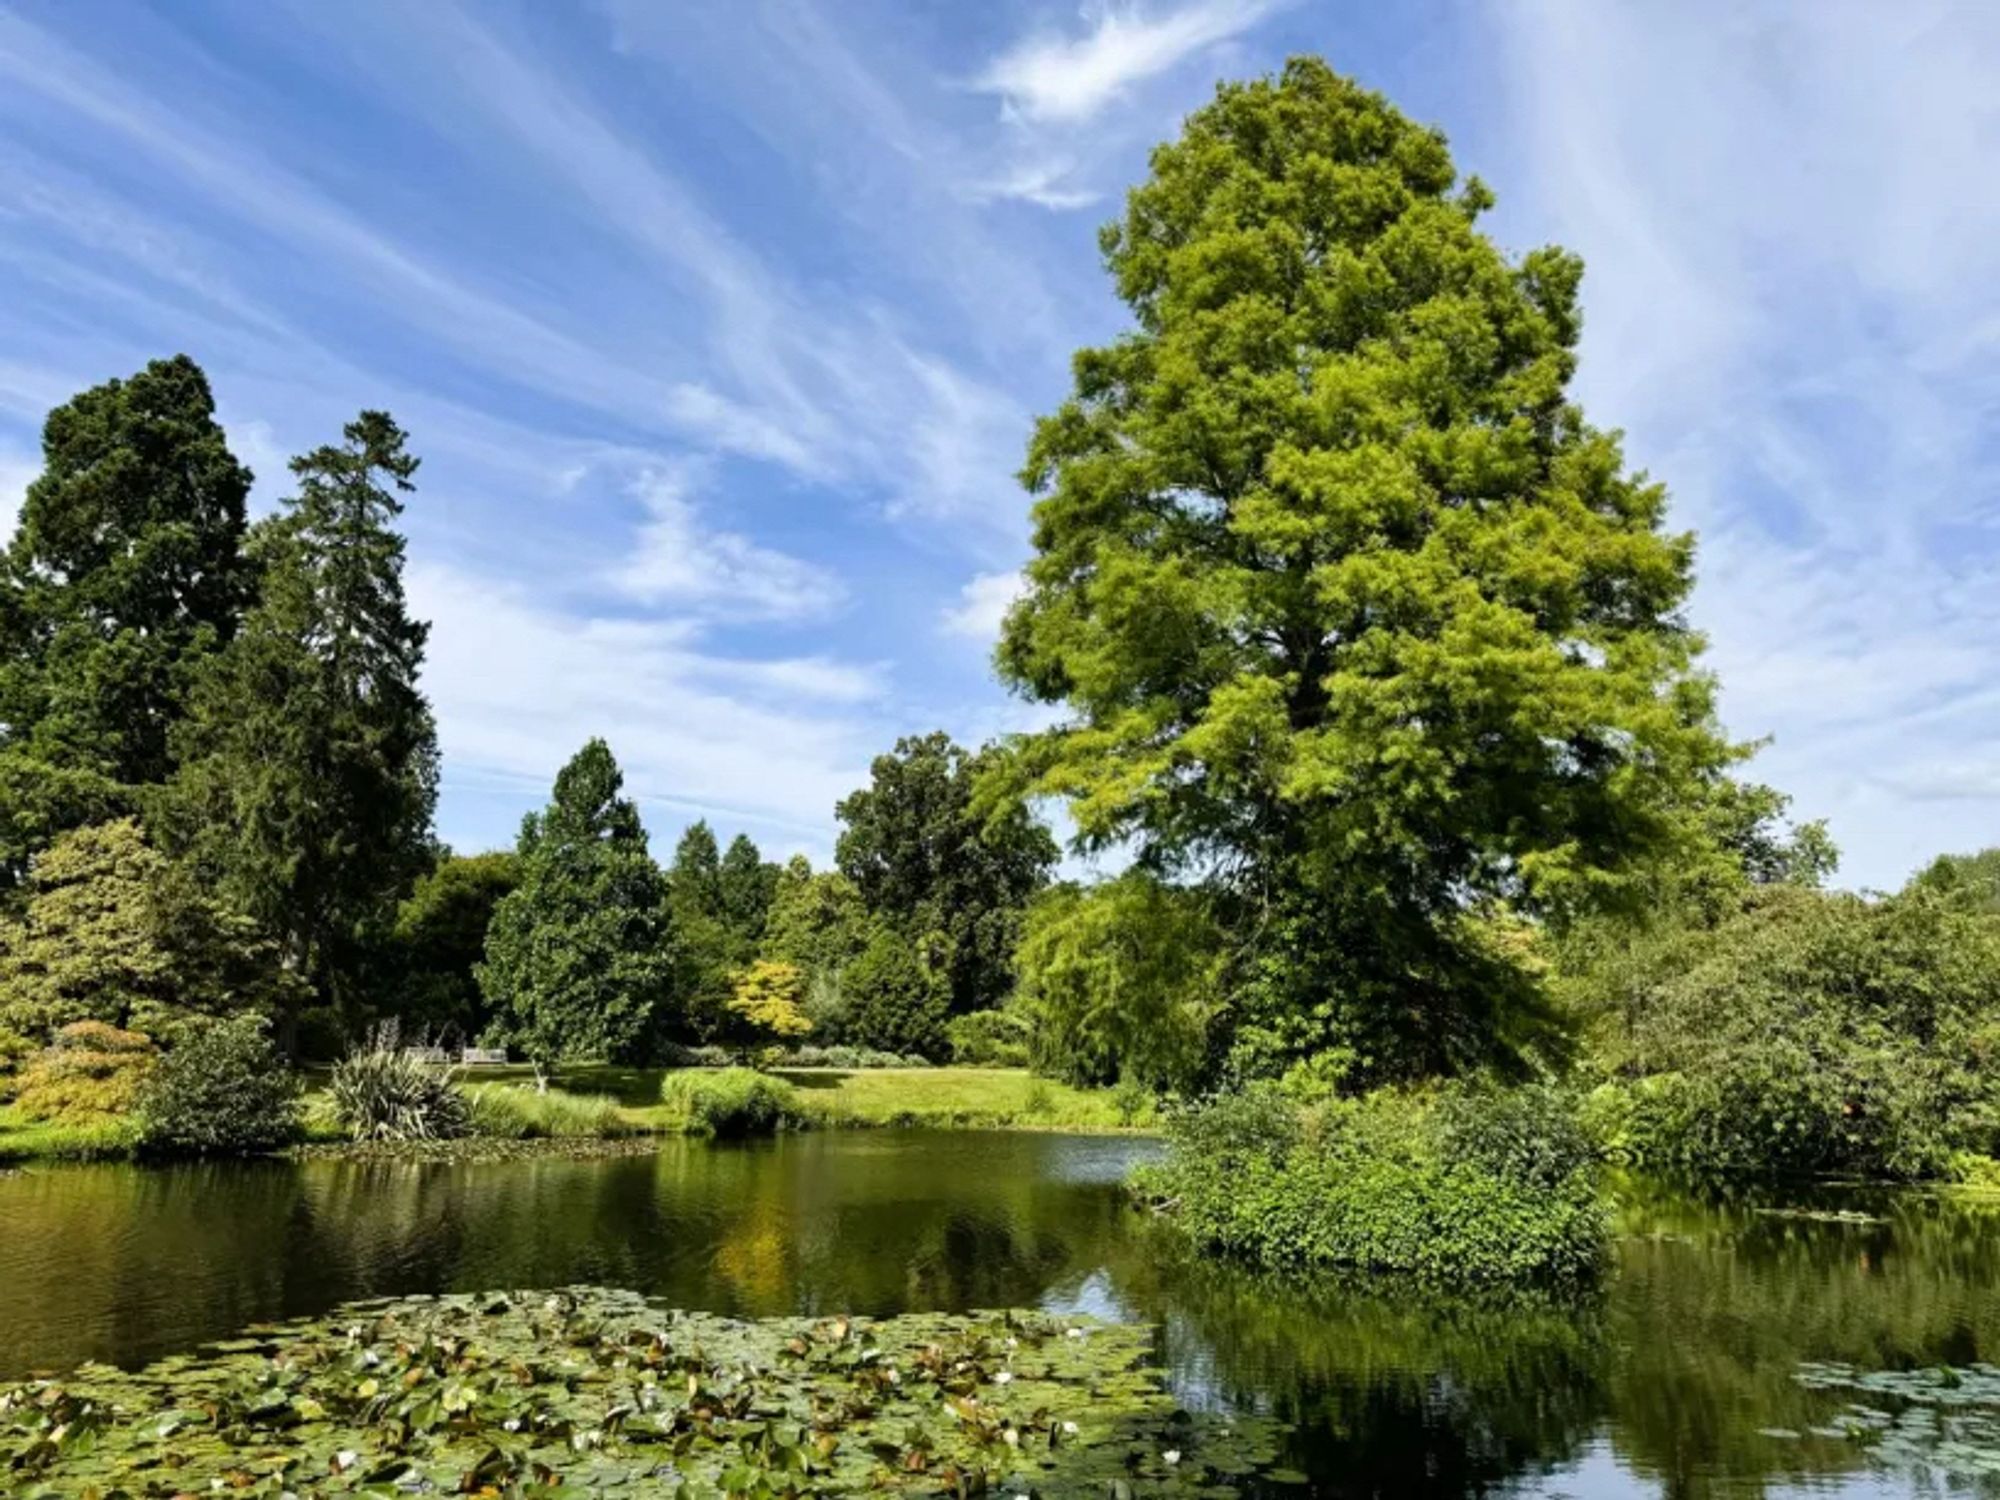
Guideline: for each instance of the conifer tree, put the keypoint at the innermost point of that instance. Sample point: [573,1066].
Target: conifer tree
[309,757]
[127,572]
[578,961]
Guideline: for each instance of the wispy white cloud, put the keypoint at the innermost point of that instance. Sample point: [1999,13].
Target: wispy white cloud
[982,605]
[675,559]
[1784,291]
[519,684]
[1046,184]
[1066,78]
[17,472]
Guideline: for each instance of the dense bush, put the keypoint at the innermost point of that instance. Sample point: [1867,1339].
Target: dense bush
[92,1072]
[381,1092]
[897,996]
[731,1102]
[223,1091]
[504,1112]
[1807,1033]
[991,1039]
[1458,1185]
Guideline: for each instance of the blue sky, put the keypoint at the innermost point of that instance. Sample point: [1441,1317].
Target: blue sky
[720,325]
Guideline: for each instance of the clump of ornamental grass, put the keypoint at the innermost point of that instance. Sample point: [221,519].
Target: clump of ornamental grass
[731,1102]
[504,1112]
[385,1092]
[1455,1184]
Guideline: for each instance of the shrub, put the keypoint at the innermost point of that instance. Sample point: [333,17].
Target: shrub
[991,1039]
[382,1093]
[224,1091]
[764,1000]
[1808,1034]
[1474,1185]
[92,1072]
[732,1102]
[15,1050]
[505,1112]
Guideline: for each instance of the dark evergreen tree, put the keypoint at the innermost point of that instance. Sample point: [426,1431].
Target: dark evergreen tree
[925,861]
[126,573]
[578,960]
[309,756]
[746,885]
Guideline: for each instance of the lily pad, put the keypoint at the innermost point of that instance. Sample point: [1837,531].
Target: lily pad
[589,1391]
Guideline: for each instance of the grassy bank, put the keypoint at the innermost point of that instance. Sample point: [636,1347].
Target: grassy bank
[612,1103]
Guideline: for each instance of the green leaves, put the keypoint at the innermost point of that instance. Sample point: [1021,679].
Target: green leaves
[577,960]
[1355,618]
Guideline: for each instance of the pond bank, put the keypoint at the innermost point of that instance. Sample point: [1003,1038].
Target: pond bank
[829,1099]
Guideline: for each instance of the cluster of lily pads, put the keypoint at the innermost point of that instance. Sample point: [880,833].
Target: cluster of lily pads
[593,1392]
[1945,1418]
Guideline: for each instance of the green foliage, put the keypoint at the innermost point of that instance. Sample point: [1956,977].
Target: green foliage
[383,1092]
[1122,979]
[112,931]
[926,861]
[309,757]
[1354,615]
[745,885]
[125,574]
[1809,1033]
[731,1102]
[706,953]
[1967,882]
[576,959]
[1480,1187]
[1001,1038]
[500,1393]
[818,922]
[91,1072]
[221,1091]
[502,1112]
[766,1005]
[438,939]
[898,999]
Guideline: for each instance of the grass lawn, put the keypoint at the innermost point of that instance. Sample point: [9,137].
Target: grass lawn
[22,1139]
[967,1098]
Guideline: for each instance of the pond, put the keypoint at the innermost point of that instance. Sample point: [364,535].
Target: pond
[1678,1378]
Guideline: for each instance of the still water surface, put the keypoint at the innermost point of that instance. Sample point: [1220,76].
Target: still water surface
[1662,1384]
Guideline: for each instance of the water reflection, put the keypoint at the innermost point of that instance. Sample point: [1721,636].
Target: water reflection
[1662,1384]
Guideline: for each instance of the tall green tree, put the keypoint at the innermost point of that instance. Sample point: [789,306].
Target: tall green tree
[309,757]
[706,953]
[745,886]
[924,860]
[1354,616]
[127,571]
[438,938]
[578,962]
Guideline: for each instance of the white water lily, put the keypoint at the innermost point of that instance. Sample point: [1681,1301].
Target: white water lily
[1069,1429]
[1003,1377]
[1172,1455]
[344,1459]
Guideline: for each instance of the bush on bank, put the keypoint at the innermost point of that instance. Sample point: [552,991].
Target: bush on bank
[1457,1184]
[223,1091]
[731,1102]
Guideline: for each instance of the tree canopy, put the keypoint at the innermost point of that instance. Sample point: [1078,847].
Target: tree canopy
[577,957]
[924,860]
[125,572]
[309,756]
[1354,615]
